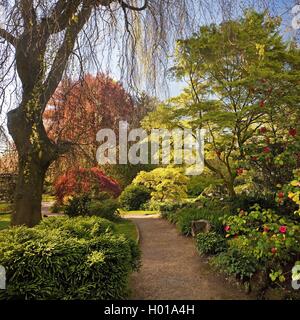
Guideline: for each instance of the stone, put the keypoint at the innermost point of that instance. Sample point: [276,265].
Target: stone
[200,226]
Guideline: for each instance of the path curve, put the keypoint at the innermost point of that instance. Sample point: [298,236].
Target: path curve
[172,268]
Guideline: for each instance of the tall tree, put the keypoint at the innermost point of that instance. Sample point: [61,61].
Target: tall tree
[42,37]
[239,74]
[79,109]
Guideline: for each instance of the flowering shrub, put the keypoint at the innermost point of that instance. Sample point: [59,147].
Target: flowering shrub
[294,190]
[271,239]
[273,158]
[82,181]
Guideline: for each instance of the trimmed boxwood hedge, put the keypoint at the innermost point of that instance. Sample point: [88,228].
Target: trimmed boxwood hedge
[67,258]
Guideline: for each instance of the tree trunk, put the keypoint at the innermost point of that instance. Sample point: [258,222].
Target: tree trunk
[230,188]
[36,152]
[29,192]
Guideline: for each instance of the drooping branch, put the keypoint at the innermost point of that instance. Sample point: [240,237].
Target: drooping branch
[8,37]
[128,6]
[63,54]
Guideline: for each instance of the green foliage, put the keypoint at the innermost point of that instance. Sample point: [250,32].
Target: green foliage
[198,184]
[77,206]
[107,209]
[210,243]
[270,239]
[241,75]
[134,196]
[165,184]
[66,259]
[185,217]
[236,262]
[245,202]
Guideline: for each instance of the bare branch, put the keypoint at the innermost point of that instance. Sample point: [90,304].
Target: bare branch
[63,54]
[8,37]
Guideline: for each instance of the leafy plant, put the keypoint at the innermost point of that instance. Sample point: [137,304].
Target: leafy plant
[107,209]
[134,196]
[82,181]
[165,184]
[210,243]
[78,206]
[186,216]
[271,239]
[236,262]
[67,258]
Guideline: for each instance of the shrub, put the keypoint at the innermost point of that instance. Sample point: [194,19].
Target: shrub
[269,238]
[56,208]
[166,184]
[210,243]
[134,196]
[85,181]
[107,209]
[79,227]
[186,216]
[245,202]
[78,206]
[66,259]
[198,184]
[236,262]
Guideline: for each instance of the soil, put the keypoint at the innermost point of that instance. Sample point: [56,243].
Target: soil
[173,270]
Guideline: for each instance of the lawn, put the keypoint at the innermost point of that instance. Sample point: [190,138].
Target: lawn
[5,207]
[139,213]
[4,221]
[48,198]
[128,229]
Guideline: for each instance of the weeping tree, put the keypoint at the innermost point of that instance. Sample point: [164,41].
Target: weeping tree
[41,41]
[45,40]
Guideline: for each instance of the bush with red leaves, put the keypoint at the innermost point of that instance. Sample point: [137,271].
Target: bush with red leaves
[85,181]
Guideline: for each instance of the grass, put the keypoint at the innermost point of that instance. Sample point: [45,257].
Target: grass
[4,221]
[48,198]
[5,207]
[138,213]
[127,228]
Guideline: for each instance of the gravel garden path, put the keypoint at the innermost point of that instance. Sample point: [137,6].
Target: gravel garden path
[172,269]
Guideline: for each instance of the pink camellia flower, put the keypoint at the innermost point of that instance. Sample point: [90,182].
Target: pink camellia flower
[282,229]
[263,130]
[266,150]
[227,228]
[274,250]
[293,132]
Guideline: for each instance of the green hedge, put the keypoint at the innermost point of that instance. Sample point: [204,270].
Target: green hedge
[66,259]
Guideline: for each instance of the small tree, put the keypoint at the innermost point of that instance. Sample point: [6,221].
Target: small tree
[83,181]
[165,184]
[240,75]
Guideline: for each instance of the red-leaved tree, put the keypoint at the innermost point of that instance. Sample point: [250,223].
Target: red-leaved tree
[83,181]
[79,109]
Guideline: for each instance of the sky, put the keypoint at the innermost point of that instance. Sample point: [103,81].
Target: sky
[173,88]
